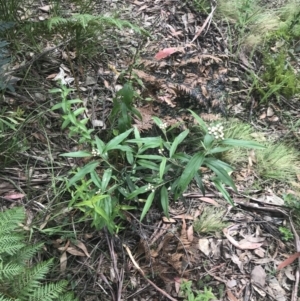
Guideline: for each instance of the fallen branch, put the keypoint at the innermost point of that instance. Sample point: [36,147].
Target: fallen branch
[143,274]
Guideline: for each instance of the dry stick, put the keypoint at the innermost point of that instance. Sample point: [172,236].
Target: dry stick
[37,57]
[143,274]
[297,274]
[206,22]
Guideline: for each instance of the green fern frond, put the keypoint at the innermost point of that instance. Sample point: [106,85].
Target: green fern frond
[50,292]
[27,253]
[29,281]
[20,281]
[10,244]
[56,21]
[68,297]
[85,20]
[3,298]
[9,271]
[10,218]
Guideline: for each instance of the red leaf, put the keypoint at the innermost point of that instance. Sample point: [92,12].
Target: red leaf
[165,53]
[288,261]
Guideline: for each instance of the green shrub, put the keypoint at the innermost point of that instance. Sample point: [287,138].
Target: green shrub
[129,170]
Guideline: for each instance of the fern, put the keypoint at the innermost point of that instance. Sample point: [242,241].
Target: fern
[85,20]
[20,281]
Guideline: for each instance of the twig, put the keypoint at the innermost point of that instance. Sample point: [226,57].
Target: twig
[297,274]
[37,57]
[143,274]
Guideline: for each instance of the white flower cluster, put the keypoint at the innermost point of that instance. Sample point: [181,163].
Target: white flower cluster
[95,152]
[161,151]
[163,126]
[150,187]
[98,191]
[217,131]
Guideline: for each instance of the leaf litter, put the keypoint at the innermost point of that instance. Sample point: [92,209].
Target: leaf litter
[185,64]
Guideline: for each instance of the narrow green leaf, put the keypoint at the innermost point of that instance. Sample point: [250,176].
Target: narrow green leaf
[164,199]
[65,124]
[55,90]
[106,178]
[162,168]
[102,213]
[129,157]
[57,106]
[199,182]
[117,140]
[189,172]
[243,143]
[127,207]
[82,172]
[79,111]
[224,192]
[91,202]
[137,135]
[177,141]
[217,150]
[72,118]
[208,140]
[79,154]
[148,164]
[138,191]
[146,140]
[147,205]
[150,157]
[218,169]
[96,180]
[124,148]
[157,121]
[200,121]
[100,144]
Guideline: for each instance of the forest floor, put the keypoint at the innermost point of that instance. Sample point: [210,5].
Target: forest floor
[189,59]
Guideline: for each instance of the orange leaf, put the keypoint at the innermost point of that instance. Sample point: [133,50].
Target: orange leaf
[288,261]
[165,53]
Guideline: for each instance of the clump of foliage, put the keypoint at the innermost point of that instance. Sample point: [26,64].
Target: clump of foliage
[129,170]
[190,295]
[286,233]
[279,77]
[88,32]
[20,280]
[210,221]
[278,161]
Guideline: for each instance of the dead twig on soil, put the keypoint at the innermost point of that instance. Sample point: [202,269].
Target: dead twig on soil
[297,273]
[37,57]
[144,276]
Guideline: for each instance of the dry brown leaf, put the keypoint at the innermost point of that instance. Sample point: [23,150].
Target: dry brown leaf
[82,246]
[288,261]
[204,246]
[210,201]
[258,275]
[184,216]
[168,220]
[13,196]
[63,262]
[75,252]
[244,245]
[167,52]
[190,233]
[231,296]
[43,225]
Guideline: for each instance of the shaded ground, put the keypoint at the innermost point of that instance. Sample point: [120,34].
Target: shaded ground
[201,74]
